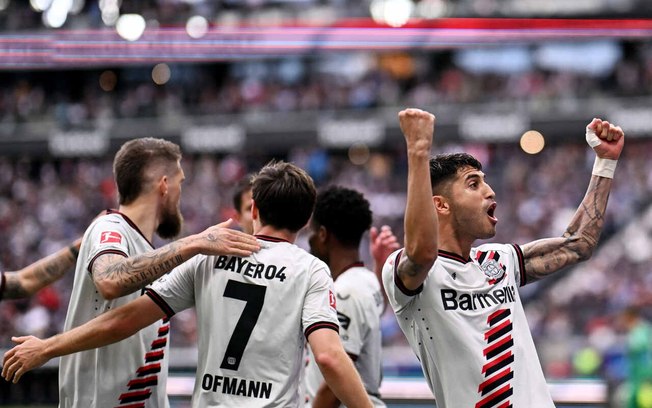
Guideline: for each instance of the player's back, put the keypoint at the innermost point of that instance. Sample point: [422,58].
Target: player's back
[253,315]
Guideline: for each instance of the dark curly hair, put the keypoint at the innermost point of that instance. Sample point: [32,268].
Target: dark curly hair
[444,167]
[344,213]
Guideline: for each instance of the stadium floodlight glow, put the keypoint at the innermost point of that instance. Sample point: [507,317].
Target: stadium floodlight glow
[161,74]
[40,5]
[130,26]
[392,12]
[55,16]
[532,142]
[197,26]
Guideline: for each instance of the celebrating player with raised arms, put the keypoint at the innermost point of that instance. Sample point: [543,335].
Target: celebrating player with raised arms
[458,305]
[254,312]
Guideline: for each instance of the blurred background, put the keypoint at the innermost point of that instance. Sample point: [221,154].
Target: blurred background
[320,82]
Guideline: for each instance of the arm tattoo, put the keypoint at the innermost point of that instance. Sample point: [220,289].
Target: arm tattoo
[38,275]
[546,256]
[134,273]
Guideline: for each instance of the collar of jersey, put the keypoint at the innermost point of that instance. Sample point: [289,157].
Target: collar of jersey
[453,256]
[271,239]
[353,265]
[131,224]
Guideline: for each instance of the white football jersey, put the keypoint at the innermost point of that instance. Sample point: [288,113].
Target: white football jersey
[467,326]
[253,316]
[359,307]
[133,372]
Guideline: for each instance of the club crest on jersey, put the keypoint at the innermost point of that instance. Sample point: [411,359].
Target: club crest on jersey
[490,265]
[331,299]
[108,237]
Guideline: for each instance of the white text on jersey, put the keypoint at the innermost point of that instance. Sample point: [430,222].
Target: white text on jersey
[246,268]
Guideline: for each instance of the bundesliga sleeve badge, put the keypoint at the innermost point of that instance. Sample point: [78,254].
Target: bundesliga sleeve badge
[110,237]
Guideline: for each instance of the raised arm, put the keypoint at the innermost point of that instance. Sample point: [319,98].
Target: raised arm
[116,276]
[421,224]
[545,256]
[32,278]
[108,328]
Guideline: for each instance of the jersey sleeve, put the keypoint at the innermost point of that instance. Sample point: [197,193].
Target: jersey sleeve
[351,317]
[398,295]
[175,291]
[105,236]
[319,304]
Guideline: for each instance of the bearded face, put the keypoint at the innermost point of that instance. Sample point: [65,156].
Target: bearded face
[171,221]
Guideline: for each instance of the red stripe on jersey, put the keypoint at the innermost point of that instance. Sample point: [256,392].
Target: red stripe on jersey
[496,314]
[159,343]
[495,397]
[135,396]
[143,382]
[154,355]
[505,404]
[497,345]
[496,329]
[163,330]
[491,381]
[138,405]
[496,361]
[149,369]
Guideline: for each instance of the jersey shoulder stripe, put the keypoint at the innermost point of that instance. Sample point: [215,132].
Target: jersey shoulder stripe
[521,263]
[321,325]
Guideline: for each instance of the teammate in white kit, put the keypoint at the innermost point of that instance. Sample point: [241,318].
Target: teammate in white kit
[116,262]
[459,306]
[36,276]
[340,219]
[253,312]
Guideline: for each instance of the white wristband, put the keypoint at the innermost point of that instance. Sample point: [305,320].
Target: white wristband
[604,167]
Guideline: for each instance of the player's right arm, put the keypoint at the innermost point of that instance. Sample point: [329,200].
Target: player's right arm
[32,278]
[108,328]
[116,275]
[338,370]
[421,224]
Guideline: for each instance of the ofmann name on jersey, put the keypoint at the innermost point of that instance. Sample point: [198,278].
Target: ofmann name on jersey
[246,268]
[472,301]
[236,386]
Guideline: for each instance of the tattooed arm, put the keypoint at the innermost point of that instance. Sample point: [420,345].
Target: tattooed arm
[421,222]
[116,276]
[31,279]
[545,256]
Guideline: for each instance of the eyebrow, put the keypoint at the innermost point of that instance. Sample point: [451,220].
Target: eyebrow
[478,175]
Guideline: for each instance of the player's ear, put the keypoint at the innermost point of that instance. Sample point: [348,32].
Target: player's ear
[163,185]
[442,206]
[322,234]
[254,210]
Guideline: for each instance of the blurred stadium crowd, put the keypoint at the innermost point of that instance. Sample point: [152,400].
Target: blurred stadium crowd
[46,202]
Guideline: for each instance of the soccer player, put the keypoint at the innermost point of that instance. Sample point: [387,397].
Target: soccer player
[242,204]
[340,219]
[459,306]
[253,311]
[116,262]
[32,278]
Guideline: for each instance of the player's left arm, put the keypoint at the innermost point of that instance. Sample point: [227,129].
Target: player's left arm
[545,256]
[325,398]
[108,328]
[32,278]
